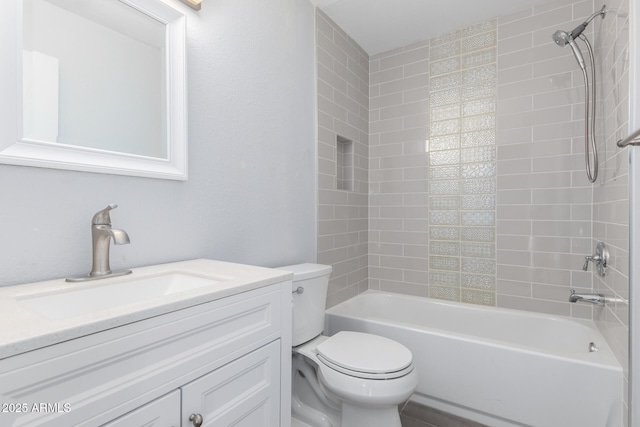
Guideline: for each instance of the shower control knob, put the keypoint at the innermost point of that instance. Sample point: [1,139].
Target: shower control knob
[196,419]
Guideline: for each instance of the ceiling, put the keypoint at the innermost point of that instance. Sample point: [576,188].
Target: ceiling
[381,25]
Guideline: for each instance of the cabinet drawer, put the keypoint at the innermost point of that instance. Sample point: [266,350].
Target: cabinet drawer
[105,375]
[244,393]
[162,412]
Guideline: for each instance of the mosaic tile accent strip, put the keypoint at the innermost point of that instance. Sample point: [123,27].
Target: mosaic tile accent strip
[446,66]
[477,42]
[471,296]
[475,59]
[444,263]
[447,157]
[446,38]
[445,97]
[462,172]
[445,142]
[479,186]
[483,202]
[445,172]
[444,218]
[444,187]
[481,106]
[478,234]
[479,170]
[478,218]
[444,233]
[478,155]
[479,138]
[445,248]
[475,249]
[444,292]
[445,112]
[482,27]
[444,203]
[446,278]
[480,266]
[445,50]
[478,281]
[446,81]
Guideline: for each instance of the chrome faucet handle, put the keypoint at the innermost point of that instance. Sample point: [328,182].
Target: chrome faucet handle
[593,258]
[600,258]
[102,217]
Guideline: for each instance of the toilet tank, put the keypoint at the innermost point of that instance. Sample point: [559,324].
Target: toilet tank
[308,305]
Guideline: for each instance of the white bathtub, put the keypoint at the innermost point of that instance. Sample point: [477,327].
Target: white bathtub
[500,367]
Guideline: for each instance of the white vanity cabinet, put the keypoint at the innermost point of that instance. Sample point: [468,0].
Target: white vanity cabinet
[244,393]
[220,359]
[162,412]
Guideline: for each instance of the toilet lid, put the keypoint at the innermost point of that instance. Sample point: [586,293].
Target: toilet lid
[359,353]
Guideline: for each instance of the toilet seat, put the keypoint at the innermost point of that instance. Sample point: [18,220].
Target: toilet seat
[357,387]
[365,356]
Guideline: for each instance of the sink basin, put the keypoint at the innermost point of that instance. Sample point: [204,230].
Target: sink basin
[74,303]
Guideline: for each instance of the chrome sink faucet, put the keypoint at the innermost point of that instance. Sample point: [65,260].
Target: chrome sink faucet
[101,235]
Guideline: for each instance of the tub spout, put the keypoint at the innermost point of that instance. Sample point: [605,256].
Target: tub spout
[590,298]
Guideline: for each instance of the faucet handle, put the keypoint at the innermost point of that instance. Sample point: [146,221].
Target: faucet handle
[102,217]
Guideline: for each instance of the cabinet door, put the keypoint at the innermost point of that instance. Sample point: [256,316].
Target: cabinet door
[162,412]
[243,393]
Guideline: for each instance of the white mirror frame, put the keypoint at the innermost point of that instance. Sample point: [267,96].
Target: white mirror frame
[15,150]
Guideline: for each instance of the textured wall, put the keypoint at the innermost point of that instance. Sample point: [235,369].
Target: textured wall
[251,193]
[343,112]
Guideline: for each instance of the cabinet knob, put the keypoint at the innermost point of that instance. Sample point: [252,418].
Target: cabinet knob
[196,419]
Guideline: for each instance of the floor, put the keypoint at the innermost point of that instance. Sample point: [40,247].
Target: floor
[415,415]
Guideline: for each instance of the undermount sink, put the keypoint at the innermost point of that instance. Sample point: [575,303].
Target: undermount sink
[98,297]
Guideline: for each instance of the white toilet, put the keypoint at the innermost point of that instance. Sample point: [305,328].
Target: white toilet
[351,379]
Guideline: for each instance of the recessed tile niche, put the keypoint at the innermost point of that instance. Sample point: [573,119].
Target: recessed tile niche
[344,164]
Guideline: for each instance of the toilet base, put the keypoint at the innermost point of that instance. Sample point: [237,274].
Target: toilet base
[314,405]
[355,416]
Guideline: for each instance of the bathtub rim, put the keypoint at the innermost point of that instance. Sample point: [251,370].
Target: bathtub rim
[606,357]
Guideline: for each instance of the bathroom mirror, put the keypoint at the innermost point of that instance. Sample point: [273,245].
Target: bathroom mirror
[94,85]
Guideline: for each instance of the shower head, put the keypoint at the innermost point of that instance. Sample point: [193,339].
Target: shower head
[562,38]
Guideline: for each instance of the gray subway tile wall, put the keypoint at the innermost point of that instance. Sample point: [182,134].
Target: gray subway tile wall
[449,180]
[610,195]
[343,153]
[472,164]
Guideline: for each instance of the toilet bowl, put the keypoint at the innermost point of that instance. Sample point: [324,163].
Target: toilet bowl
[351,379]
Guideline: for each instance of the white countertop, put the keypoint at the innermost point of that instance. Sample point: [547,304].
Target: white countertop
[24,330]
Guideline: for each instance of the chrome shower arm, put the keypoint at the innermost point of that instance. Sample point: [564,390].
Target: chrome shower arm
[580,28]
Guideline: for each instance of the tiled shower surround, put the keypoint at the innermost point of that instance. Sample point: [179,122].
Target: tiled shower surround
[611,195]
[462,165]
[433,167]
[343,152]
[476,182]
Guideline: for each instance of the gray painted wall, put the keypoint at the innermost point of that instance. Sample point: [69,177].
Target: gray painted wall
[251,193]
